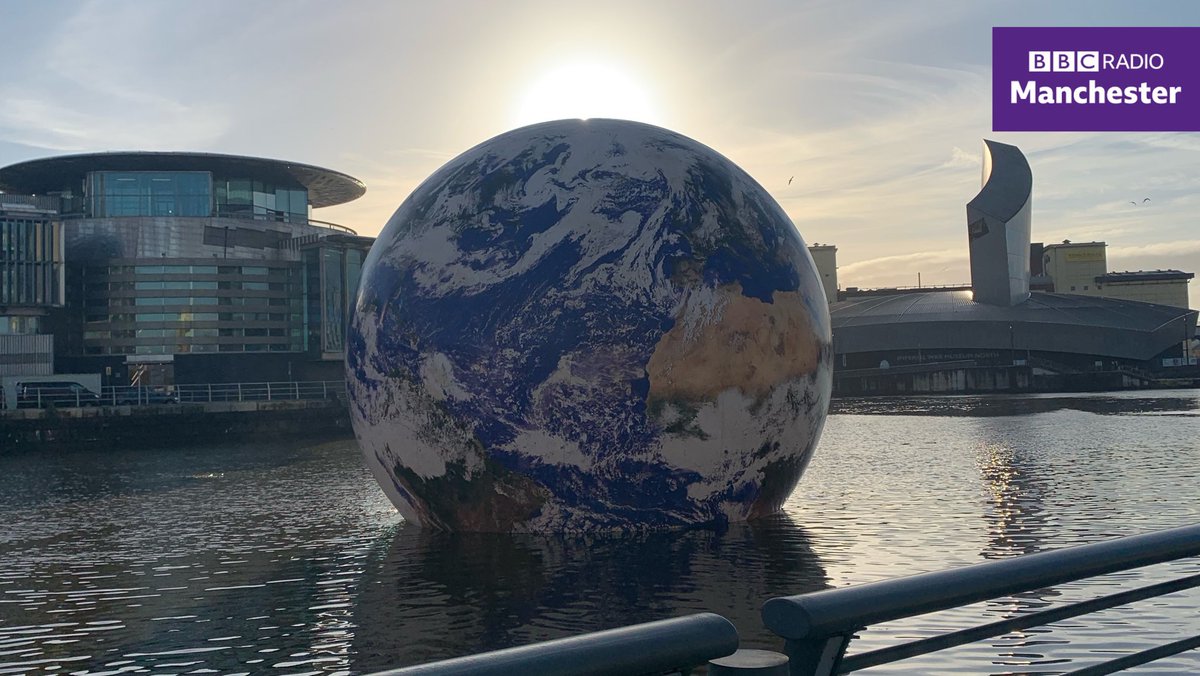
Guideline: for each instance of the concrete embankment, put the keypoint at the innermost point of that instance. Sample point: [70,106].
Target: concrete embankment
[171,425]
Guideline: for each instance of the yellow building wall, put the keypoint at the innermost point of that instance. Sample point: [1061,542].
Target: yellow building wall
[1075,267]
[1172,292]
[825,257]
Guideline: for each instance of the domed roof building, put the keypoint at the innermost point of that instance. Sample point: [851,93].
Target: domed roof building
[998,335]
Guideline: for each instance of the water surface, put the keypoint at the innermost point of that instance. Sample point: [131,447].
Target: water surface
[286,558]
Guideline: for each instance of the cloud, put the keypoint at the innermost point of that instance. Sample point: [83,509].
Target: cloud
[960,158]
[32,120]
[100,83]
[1181,248]
[876,110]
[937,267]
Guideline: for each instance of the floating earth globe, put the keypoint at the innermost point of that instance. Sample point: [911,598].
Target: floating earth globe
[588,325]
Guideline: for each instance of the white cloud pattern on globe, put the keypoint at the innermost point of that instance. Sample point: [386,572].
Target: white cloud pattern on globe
[588,325]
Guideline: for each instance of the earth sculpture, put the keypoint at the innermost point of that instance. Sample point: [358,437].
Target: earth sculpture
[588,325]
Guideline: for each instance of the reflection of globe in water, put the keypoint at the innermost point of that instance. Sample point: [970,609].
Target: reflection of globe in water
[588,325]
[521,589]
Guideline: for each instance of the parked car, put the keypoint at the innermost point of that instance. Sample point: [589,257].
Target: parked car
[61,394]
[140,396]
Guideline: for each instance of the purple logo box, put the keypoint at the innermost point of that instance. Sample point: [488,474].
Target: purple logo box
[1096,79]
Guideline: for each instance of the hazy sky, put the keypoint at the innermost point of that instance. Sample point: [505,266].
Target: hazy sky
[876,108]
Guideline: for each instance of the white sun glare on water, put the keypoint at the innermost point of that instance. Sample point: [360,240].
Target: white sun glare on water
[586,89]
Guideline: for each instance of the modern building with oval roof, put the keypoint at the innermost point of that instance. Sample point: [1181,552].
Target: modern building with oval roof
[195,267]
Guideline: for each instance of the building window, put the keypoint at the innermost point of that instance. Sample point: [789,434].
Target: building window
[149,193]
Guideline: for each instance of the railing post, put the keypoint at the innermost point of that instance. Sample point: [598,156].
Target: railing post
[239,391]
[817,656]
[268,391]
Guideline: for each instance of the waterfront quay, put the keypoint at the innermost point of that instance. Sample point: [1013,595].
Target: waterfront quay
[198,413]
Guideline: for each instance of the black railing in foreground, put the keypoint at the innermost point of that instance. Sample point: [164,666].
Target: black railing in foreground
[819,626]
[674,646]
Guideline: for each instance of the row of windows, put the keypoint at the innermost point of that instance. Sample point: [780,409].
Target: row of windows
[192,317]
[95,304]
[30,263]
[149,193]
[188,193]
[186,284]
[29,240]
[184,348]
[120,334]
[261,197]
[30,283]
[194,270]
[20,325]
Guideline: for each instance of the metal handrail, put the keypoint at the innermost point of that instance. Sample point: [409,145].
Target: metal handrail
[924,646]
[819,626]
[201,393]
[676,645]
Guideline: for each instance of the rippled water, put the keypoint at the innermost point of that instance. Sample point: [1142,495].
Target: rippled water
[285,558]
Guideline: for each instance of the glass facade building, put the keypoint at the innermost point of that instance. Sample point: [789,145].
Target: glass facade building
[164,258]
[32,276]
[197,306]
[31,259]
[332,269]
[113,194]
[148,193]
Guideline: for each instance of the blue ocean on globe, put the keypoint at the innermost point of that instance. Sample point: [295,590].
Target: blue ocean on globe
[588,325]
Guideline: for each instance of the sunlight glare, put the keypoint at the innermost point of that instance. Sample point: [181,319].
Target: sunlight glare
[583,90]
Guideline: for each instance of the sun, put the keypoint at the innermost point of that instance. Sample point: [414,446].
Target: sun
[585,89]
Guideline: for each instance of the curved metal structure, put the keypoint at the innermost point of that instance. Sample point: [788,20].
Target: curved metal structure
[37,177]
[998,227]
[949,322]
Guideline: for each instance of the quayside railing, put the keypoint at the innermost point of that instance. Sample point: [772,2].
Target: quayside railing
[674,646]
[68,394]
[818,627]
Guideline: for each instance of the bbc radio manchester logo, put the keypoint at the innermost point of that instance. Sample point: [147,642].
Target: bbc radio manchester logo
[1090,62]
[1096,79]
[1092,92]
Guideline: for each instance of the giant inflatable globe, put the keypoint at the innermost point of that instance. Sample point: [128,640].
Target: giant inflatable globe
[584,325]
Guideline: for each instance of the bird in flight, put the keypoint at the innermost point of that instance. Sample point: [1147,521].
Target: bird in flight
[1145,200]
[790,180]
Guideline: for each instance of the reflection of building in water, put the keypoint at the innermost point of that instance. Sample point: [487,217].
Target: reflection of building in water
[441,595]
